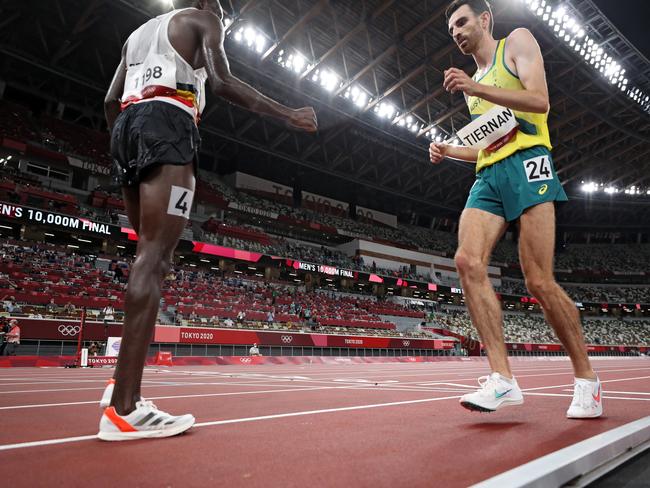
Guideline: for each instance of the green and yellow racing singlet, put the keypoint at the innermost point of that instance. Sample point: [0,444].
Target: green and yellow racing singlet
[533,128]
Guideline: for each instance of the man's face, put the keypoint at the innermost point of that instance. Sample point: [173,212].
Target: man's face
[465,28]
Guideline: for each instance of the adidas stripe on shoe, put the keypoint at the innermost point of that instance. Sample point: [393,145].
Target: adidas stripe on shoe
[145,422]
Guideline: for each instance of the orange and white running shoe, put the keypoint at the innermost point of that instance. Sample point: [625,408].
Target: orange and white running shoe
[108,394]
[145,422]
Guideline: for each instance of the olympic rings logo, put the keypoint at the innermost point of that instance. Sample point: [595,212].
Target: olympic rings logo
[287,339]
[245,360]
[69,330]
[406,343]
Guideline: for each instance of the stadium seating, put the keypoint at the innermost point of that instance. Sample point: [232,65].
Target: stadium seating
[532,328]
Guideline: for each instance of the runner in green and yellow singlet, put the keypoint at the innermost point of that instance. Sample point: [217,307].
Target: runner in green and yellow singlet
[515,182]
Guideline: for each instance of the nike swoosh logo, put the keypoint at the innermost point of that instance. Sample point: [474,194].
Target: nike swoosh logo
[499,395]
[597,397]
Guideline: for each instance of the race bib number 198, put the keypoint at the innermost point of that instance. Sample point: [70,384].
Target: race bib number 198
[538,169]
[157,69]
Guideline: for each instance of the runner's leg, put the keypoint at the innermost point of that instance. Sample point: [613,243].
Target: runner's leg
[536,247]
[158,234]
[478,233]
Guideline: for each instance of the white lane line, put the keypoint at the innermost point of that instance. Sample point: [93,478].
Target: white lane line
[49,442]
[263,380]
[408,383]
[233,393]
[64,440]
[402,374]
[567,395]
[68,381]
[571,384]
[50,390]
[230,393]
[148,385]
[627,392]
[431,369]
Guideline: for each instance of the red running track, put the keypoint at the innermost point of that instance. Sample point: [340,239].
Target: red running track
[319,425]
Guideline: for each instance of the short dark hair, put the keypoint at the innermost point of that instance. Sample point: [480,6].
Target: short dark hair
[477,6]
[178,4]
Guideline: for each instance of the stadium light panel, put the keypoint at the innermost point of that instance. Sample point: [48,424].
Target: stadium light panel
[589,187]
[386,110]
[260,43]
[329,80]
[361,100]
[569,30]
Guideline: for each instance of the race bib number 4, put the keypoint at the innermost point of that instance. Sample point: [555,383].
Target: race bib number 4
[180,202]
[538,169]
[156,70]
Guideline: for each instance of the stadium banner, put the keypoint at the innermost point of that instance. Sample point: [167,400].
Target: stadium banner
[253,210]
[37,216]
[322,269]
[66,330]
[113,346]
[377,216]
[323,204]
[245,181]
[59,361]
[199,335]
[98,361]
[529,347]
[89,166]
[21,147]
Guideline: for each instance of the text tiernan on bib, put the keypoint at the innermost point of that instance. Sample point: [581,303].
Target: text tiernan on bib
[497,125]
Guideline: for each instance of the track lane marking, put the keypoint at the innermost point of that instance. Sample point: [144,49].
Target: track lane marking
[65,440]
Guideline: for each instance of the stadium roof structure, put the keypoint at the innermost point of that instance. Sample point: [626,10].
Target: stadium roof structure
[373,70]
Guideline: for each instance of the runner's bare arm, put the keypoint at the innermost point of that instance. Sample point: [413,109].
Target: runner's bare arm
[112,100]
[226,85]
[528,63]
[440,150]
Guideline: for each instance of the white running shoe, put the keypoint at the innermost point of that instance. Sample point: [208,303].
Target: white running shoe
[495,392]
[587,400]
[145,422]
[108,394]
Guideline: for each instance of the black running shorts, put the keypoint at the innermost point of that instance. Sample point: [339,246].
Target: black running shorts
[149,134]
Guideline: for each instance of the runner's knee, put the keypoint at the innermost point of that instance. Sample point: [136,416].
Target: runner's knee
[540,286]
[155,263]
[469,266]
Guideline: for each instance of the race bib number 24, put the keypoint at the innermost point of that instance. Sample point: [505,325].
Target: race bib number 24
[538,169]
